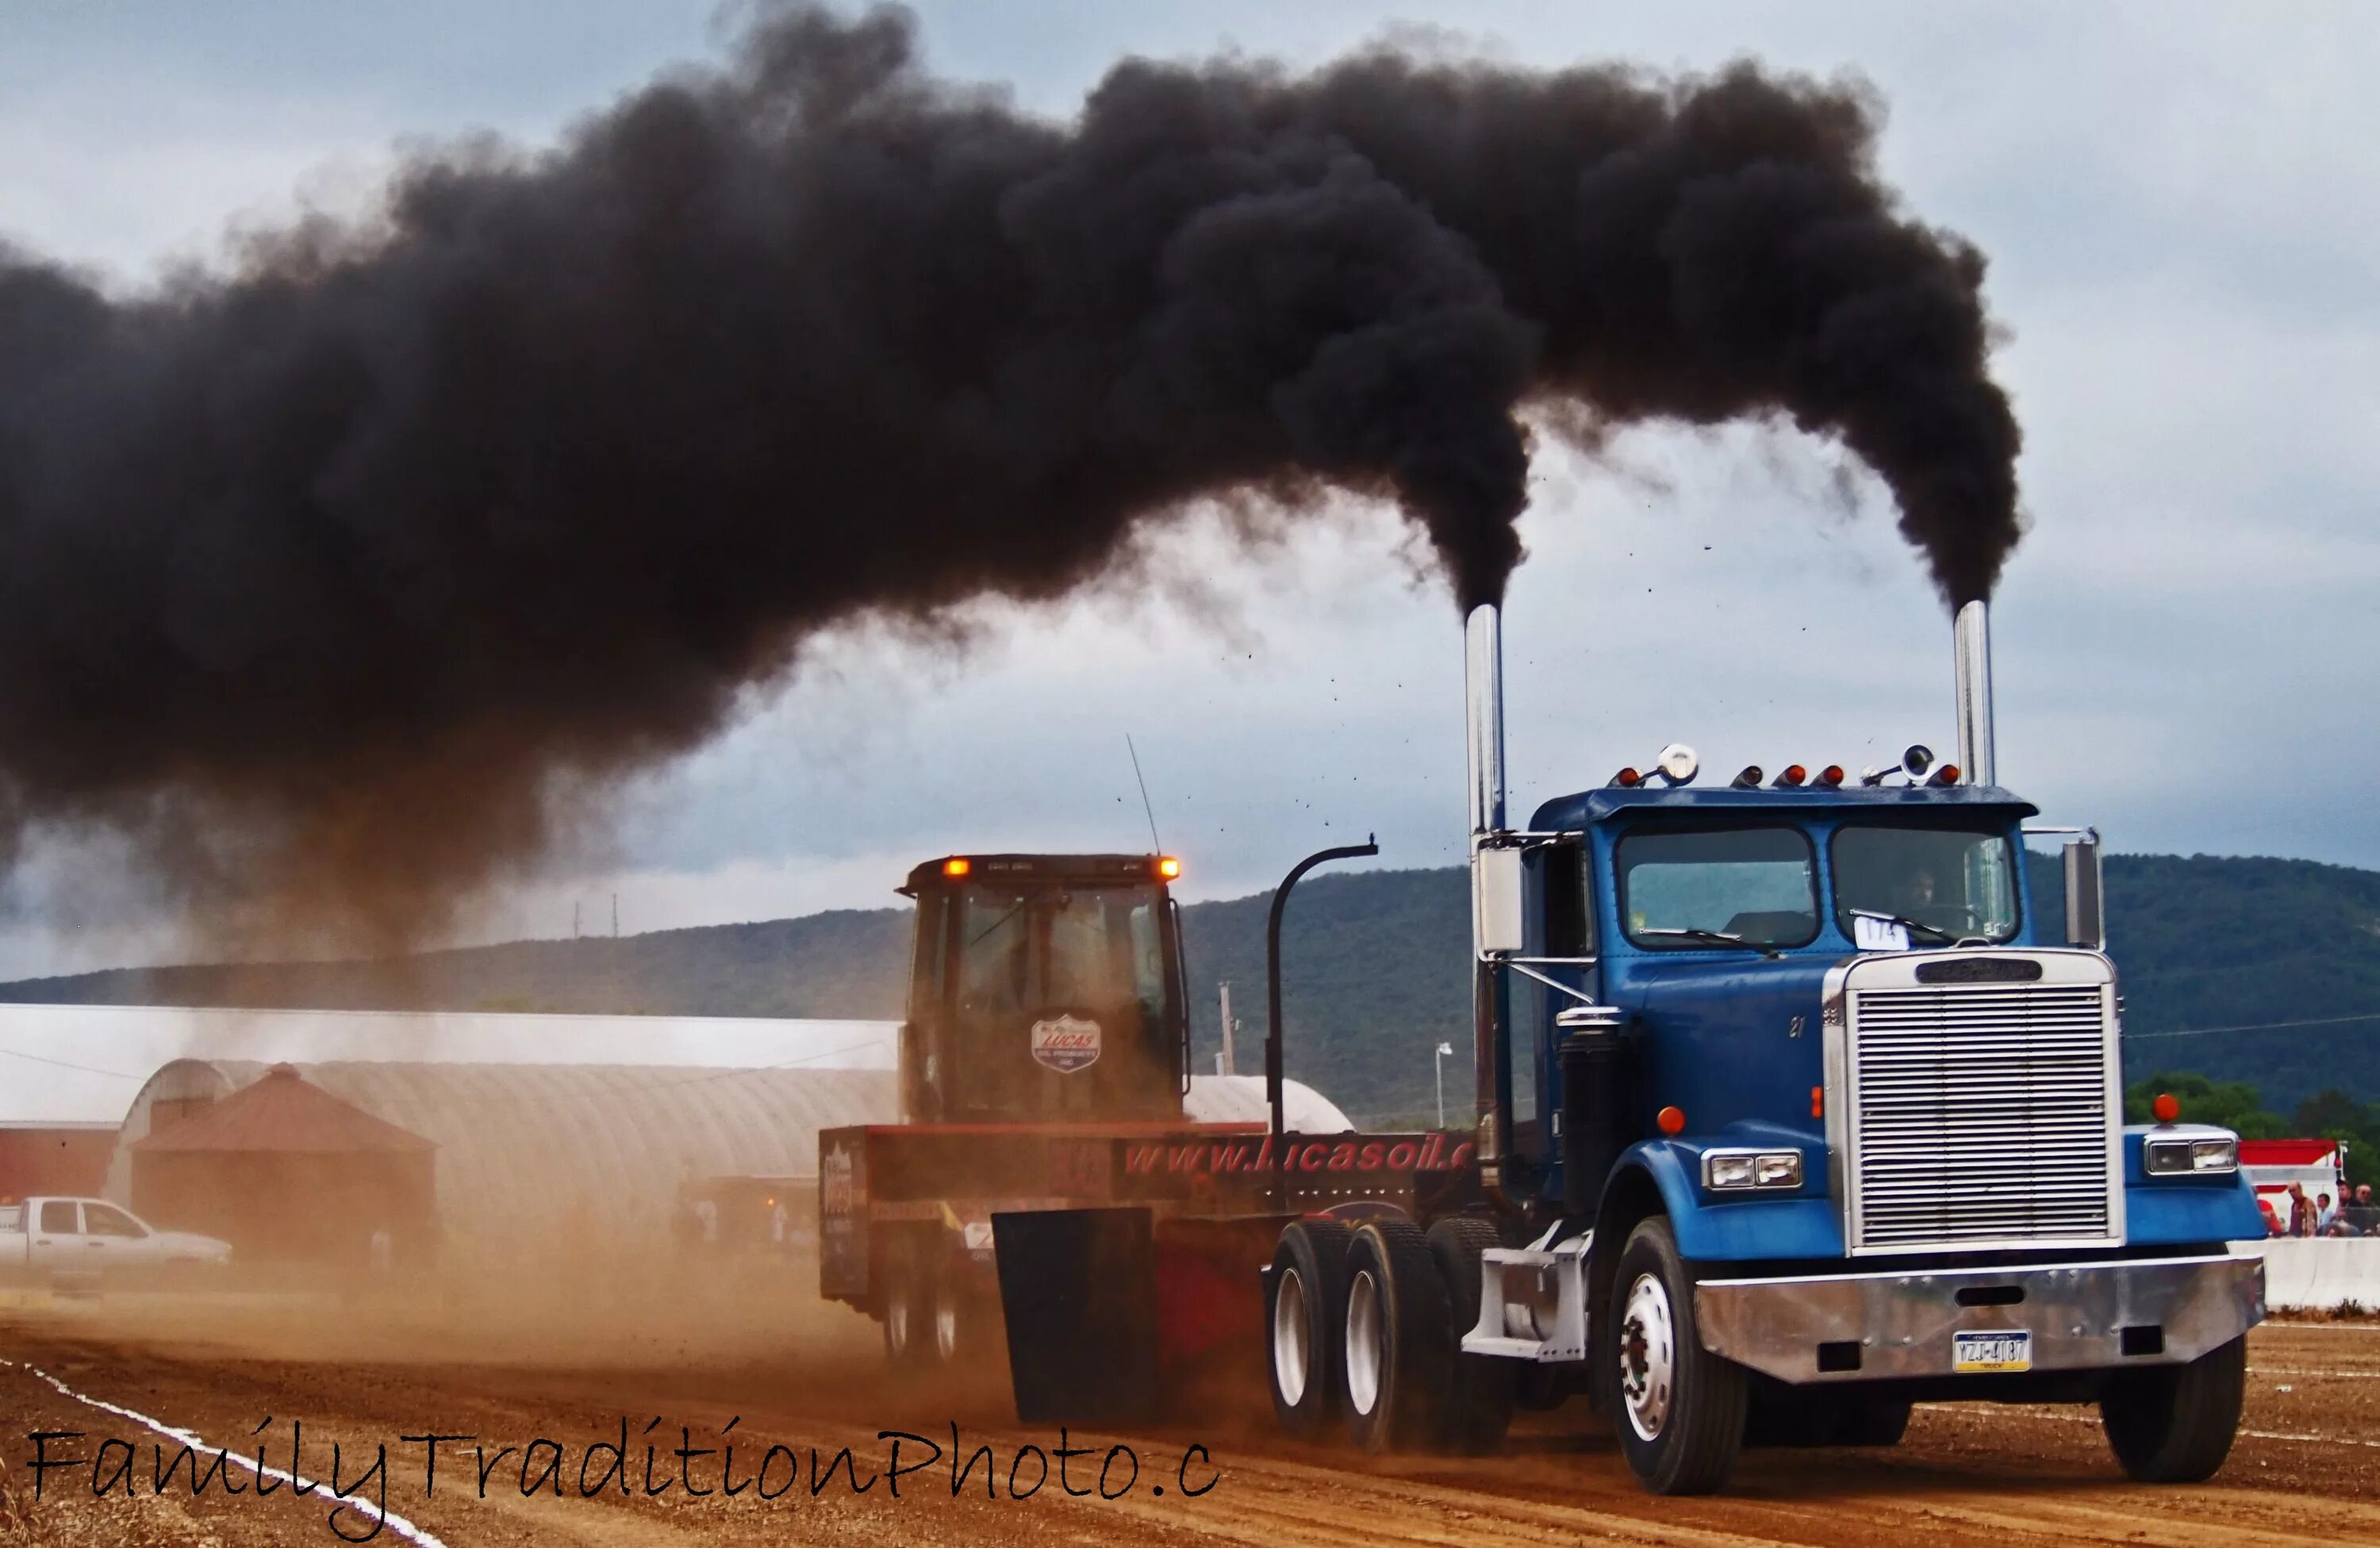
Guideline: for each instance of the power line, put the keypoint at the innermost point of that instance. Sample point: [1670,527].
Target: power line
[2256,1027]
[62,1064]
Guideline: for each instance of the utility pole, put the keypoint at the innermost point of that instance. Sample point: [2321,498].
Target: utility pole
[1225,1061]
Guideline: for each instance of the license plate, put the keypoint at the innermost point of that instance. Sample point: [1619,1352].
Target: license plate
[1992,1352]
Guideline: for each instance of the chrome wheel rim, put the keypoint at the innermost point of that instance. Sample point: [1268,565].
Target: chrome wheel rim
[896,1321]
[1291,1357]
[1647,1357]
[1364,1342]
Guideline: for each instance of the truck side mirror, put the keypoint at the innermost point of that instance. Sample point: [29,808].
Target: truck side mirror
[2086,915]
[1496,913]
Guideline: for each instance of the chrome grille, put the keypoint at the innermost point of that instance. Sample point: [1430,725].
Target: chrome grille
[1983,1115]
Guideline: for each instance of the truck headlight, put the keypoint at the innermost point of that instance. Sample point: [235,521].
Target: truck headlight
[1734,1171]
[2191,1156]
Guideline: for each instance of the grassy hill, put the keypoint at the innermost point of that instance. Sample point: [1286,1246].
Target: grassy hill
[1374,975]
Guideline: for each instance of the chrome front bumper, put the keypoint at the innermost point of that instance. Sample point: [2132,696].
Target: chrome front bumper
[1900,1325]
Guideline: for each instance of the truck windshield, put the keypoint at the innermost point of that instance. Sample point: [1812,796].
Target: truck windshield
[1058,948]
[1952,883]
[1712,888]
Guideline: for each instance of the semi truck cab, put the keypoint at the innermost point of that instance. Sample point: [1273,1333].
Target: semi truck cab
[1801,1116]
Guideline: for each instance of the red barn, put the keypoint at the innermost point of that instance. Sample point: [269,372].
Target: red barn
[54,1158]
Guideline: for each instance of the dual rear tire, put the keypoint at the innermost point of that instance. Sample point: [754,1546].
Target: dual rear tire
[1364,1325]
[934,1319]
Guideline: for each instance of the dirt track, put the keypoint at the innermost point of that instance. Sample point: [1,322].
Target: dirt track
[2308,1471]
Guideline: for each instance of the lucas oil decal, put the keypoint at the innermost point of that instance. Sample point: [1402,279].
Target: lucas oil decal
[1066,1044]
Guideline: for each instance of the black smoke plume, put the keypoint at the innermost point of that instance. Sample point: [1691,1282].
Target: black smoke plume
[337,560]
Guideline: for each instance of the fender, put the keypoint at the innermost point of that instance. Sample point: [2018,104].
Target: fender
[1791,1225]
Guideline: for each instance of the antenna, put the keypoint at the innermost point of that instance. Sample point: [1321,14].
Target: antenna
[1154,842]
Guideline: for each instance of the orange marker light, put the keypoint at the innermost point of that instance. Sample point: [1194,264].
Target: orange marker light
[1168,867]
[1947,774]
[958,865]
[1628,779]
[1817,1101]
[1672,1120]
[1794,774]
[2167,1107]
[1831,775]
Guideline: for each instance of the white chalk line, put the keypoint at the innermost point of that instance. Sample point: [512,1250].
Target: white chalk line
[2305,1371]
[388,1518]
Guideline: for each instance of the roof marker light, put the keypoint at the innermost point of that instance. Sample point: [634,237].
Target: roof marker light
[2167,1107]
[1831,775]
[1169,868]
[1628,779]
[957,865]
[1750,778]
[1947,774]
[1791,776]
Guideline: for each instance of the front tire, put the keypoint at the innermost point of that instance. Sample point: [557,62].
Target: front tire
[1398,1357]
[1303,1303]
[2176,1423]
[1871,1421]
[1678,1407]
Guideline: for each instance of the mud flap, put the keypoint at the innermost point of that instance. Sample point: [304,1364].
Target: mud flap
[1078,1292]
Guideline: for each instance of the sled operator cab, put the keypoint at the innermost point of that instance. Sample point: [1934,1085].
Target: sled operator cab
[1044,988]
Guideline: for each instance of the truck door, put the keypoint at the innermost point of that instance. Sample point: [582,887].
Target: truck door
[58,1238]
[1559,924]
[122,1242]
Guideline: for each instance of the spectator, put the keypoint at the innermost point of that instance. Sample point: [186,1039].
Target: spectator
[2362,1195]
[2326,1215]
[2272,1221]
[2301,1212]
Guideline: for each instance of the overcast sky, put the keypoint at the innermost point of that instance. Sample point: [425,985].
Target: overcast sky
[2181,207]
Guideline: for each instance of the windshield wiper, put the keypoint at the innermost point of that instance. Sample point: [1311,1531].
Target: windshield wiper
[1907,924]
[1717,937]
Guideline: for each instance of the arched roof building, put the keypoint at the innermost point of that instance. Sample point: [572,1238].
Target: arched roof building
[522,1147]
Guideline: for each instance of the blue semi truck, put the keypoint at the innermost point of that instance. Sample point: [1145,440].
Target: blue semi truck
[1789,1117]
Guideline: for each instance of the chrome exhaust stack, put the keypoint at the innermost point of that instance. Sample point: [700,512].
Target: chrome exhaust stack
[1971,645]
[1482,669]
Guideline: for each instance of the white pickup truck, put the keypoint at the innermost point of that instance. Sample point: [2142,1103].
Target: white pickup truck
[91,1238]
